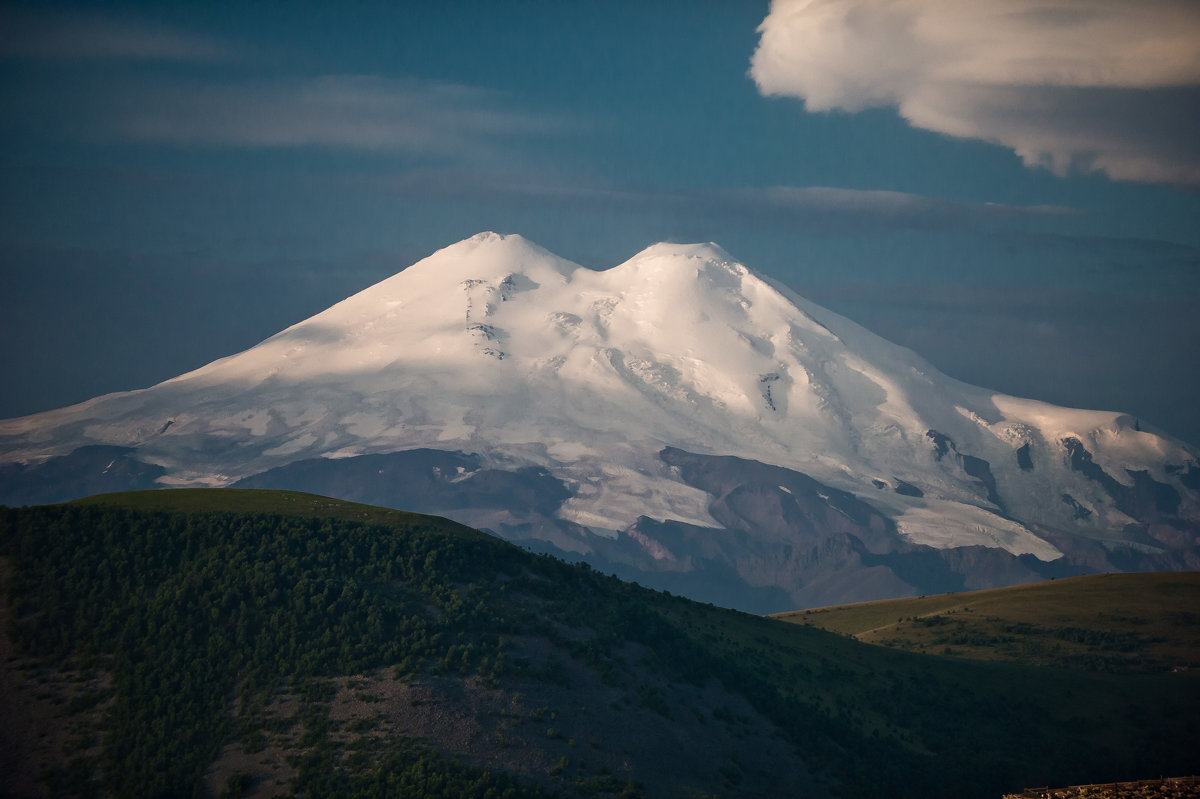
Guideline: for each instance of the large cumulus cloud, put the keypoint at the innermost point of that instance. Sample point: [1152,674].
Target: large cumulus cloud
[1070,85]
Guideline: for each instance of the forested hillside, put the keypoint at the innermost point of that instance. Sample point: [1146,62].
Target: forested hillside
[181,643]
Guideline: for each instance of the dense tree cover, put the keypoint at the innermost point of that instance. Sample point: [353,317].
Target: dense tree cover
[404,768]
[194,612]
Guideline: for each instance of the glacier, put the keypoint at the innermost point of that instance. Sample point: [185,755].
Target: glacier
[496,348]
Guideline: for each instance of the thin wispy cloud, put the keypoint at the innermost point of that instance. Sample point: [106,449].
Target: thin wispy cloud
[883,207]
[1069,85]
[83,36]
[785,206]
[212,107]
[349,112]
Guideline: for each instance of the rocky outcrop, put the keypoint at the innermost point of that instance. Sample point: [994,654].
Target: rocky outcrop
[94,469]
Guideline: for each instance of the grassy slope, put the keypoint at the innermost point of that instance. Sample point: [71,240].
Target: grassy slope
[1112,622]
[603,681]
[237,500]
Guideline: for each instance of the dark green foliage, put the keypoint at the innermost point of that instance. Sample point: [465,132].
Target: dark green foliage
[404,768]
[73,778]
[195,611]
[237,785]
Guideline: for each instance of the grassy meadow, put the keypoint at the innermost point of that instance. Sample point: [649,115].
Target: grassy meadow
[1147,622]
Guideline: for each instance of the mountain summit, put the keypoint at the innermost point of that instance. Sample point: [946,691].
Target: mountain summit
[677,418]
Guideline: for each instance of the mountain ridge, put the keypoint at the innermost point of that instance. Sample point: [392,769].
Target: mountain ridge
[499,351]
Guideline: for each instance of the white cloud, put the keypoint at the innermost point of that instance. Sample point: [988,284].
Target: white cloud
[352,112]
[895,205]
[1089,85]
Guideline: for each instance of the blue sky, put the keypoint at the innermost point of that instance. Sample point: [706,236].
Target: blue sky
[1011,189]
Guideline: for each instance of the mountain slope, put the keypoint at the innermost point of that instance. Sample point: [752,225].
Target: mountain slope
[286,644]
[1109,622]
[511,359]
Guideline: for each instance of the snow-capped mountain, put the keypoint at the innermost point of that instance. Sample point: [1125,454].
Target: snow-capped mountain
[677,417]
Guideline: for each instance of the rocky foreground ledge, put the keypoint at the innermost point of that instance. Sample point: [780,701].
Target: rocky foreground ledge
[1168,788]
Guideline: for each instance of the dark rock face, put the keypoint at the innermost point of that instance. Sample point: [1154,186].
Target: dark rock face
[788,542]
[942,443]
[1092,556]
[87,470]
[1190,477]
[937,571]
[981,470]
[734,568]
[822,546]
[698,562]
[1023,458]
[1154,505]
[775,502]
[1081,461]
[1149,492]
[1080,512]
[518,505]
[818,544]
[975,467]
[1146,500]
[421,480]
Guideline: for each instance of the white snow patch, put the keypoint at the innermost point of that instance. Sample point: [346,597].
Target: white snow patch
[345,452]
[944,525]
[302,441]
[187,479]
[455,426]
[971,415]
[602,369]
[569,451]
[363,424]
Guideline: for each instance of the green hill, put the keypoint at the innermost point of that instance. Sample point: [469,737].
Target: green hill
[214,642]
[1110,622]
